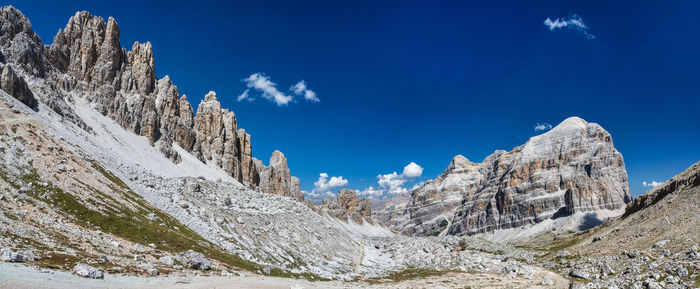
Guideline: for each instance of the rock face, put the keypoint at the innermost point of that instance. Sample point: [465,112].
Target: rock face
[572,168]
[87,60]
[276,179]
[347,206]
[14,85]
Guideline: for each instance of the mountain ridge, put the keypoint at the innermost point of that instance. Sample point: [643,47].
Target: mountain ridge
[571,168]
[86,58]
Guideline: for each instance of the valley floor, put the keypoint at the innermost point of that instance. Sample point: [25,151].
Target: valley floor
[18,276]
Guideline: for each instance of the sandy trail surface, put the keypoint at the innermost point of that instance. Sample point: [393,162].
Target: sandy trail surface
[18,276]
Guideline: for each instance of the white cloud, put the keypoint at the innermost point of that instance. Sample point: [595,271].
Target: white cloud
[573,22]
[652,184]
[542,126]
[412,170]
[371,191]
[244,96]
[393,183]
[262,83]
[302,89]
[324,185]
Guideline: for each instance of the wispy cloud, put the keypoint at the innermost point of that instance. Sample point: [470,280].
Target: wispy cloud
[393,183]
[244,96]
[262,83]
[302,89]
[542,126]
[325,185]
[573,22]
[651,184]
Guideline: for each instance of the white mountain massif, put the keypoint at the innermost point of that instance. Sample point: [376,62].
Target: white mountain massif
[566,172]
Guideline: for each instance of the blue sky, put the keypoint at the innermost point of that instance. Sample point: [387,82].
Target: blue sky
[401,82]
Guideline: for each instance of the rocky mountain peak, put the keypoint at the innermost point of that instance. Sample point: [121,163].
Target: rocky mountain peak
[142,66]
[14,22]
[459,162]
[571,168]
[278,160]
[18,42]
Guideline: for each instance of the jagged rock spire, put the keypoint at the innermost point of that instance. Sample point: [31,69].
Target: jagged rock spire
[86,58]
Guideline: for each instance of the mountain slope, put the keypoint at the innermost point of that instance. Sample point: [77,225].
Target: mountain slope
[654,244]
[573,168]
[671,211]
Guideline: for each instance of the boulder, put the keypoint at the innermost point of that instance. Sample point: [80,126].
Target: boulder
[87,271]
[193,260]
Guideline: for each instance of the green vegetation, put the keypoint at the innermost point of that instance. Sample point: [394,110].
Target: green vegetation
[58,261]
[408,274]
[116,218]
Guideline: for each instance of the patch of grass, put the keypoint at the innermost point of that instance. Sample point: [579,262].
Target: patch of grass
[109,175]
[409,274]
[134,225]
[58,261]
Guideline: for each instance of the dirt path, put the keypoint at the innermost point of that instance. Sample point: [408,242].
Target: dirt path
[18,276]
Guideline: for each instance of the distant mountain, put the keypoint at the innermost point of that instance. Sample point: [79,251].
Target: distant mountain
[572,168]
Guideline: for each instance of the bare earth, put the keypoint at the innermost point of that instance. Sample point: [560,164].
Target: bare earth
[18,276]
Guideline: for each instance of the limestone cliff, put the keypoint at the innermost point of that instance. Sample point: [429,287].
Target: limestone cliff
[86,60]
[572,168]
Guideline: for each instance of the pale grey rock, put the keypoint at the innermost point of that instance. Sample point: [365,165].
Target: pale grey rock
[579,273]
[660,244]
[193,260]
[7,255]
[87,271]
[18,42]
[572,168]
[167,260]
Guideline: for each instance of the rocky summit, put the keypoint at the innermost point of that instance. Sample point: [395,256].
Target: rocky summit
[573,168]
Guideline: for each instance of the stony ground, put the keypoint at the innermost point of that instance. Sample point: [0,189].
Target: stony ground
[21,277]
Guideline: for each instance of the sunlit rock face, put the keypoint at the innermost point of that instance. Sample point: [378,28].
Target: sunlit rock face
[572,168]
[347,206]
[86,59]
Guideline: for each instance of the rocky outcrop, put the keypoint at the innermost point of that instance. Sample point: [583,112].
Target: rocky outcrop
[347,206]
[87,60]
[276,179]
[572,168]
[18,42]
[15,85]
